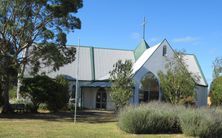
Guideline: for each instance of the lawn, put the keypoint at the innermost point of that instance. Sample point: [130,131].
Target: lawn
[91,124]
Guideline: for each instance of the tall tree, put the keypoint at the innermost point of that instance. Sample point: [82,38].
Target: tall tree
[216,91]
[177,84]
[122,83]
[217,67]
[38,27]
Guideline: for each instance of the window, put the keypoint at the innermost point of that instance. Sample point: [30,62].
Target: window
[149,89]
[164,50]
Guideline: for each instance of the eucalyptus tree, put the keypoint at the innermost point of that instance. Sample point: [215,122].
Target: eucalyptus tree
[38,27]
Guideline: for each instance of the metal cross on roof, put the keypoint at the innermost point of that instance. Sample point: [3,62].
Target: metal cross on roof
[144,27]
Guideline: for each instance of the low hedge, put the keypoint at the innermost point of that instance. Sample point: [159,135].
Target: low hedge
[149,119]
[154,118]
[204,123]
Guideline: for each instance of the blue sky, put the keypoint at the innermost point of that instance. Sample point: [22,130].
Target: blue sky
[192,25]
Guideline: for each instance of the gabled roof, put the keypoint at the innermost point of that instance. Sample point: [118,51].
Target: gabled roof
[194,67]
[190,60]
[94,63]
[104,60]
[143,46]
[144,57]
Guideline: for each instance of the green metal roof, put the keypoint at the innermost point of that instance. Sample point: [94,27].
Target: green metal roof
[140,49]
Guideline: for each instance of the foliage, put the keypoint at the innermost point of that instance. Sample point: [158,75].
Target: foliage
[29,107]
[122,83]
[60,95]
[203,123]
[43,106]
[165,118]
[177,84]
[216,91]
[1,98]
[7,77]
[42,89]
[217,67]
[149,118]
[33,32]
[12,92]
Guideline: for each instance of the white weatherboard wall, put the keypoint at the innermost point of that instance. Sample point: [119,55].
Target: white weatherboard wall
[202,87]
[155,63]
[89,98]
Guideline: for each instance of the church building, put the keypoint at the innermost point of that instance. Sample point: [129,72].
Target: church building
[94,65]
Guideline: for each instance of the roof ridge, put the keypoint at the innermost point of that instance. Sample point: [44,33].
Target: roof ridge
[100,47]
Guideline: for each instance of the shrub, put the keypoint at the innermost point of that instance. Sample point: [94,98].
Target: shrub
[43,106]
[216,91]
[149,119]
[29,107]
[61,94]
[71,105]
[42,89]
[13,92]
[1,98]
[204,123]
[122,83]
[164,118]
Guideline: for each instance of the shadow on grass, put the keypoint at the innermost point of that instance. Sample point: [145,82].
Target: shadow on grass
[83,116]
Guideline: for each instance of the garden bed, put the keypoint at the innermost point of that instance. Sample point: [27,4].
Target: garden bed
[160,118]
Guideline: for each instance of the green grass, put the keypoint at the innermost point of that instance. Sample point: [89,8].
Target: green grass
[56,125]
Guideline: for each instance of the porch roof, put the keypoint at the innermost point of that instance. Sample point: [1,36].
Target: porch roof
[100,84]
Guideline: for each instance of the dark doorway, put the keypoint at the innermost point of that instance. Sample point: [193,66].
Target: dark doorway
[101,99]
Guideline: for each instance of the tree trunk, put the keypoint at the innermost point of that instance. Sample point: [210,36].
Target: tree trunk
[19,82]
[5,94]
[21,73]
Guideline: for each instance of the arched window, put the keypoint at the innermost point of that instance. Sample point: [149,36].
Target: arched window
[164,50]
[149,88]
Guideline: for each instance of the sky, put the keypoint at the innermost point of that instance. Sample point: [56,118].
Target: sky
[191,25]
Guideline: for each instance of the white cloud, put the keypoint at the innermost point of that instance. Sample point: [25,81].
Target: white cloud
[187,39]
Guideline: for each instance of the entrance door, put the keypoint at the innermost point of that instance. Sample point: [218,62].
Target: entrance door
[101,99]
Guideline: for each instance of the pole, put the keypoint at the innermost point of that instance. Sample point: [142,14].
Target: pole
[77,72]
